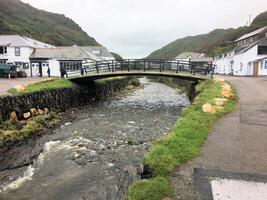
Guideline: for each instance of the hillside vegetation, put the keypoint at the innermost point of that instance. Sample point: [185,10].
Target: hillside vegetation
[213,43]
[17,17]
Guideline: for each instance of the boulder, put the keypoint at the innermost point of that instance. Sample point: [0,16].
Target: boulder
[40,111]
[34,112]
[208,108]
[219,80]
[27,115]
[20,88]
[220,101]
[227,87]
[13,117]
[46,111]
[227,94]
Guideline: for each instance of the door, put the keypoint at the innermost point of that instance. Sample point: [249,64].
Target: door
[255,69]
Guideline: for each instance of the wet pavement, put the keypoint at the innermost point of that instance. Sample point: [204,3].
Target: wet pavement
[98,155]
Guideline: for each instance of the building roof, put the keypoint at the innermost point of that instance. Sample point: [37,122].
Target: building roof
[22,41]
[262,42]
[261,30]
[103,51]
[202,59]
[185,55]
[64,53]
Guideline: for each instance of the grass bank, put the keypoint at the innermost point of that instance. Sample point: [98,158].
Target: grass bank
[48,84]
[182,144]
[22,129]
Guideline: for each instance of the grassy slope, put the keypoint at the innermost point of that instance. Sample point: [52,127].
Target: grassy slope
[39,123]
[213,43]
[182,144]
[50,84]
[17,17]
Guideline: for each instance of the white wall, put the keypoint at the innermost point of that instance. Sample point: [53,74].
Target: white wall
[247,59]
[263,68]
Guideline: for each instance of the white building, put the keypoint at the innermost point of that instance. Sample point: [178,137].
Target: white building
[71,58]
[248,58]
[16,49]
[34,57]
[194,58]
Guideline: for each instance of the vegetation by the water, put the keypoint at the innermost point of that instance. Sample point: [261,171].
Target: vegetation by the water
[22,129]
[48,84]
[153,189]
[184,142]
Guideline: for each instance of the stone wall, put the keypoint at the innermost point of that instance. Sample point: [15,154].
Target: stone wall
[60,99]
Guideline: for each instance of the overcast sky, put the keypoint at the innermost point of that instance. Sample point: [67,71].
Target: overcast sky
[135,28]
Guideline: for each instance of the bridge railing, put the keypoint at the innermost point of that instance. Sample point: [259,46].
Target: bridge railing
[144,65]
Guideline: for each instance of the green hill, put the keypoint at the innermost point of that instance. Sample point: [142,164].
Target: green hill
[213,43]
[17,17]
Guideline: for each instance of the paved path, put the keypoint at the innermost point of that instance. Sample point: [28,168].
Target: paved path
[6,84]
[238,142]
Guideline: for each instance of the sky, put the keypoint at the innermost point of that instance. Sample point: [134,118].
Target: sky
[135,28]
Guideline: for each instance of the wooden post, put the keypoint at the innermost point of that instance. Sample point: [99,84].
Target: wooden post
[149,65]
[128,65]
[163,66]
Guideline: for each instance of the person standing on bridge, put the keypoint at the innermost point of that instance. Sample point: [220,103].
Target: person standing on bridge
[82,71]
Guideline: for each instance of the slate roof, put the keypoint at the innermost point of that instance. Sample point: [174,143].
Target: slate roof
[64,53]
[262,42]
[261,30]
[22,41]
[103,50]
[185,55]
[202,59]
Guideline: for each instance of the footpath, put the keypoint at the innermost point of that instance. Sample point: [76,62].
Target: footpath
[233,162]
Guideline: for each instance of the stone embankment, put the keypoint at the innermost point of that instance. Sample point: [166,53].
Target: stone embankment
[58,100]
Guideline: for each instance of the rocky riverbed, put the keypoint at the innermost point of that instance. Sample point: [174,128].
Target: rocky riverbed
[100,153]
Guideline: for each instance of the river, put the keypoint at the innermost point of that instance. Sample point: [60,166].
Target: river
[101,152]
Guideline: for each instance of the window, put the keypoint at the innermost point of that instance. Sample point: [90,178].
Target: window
[17,51]
[3,50]
[262,50]
[265,64]
[96,51]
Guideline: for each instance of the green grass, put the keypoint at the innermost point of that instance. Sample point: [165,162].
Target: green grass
[9,131]
[186,138]
[153,189]
[50,84]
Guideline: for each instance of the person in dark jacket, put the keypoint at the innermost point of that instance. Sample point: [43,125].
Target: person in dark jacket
[48,72]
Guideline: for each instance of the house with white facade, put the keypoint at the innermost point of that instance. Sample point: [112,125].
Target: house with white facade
[71,58]
[16,50]
[194,58]
[34,57]
[248,57]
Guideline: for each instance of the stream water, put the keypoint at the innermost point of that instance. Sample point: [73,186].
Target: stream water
[99,154]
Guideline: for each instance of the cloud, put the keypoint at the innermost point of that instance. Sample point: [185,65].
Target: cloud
[136,28]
